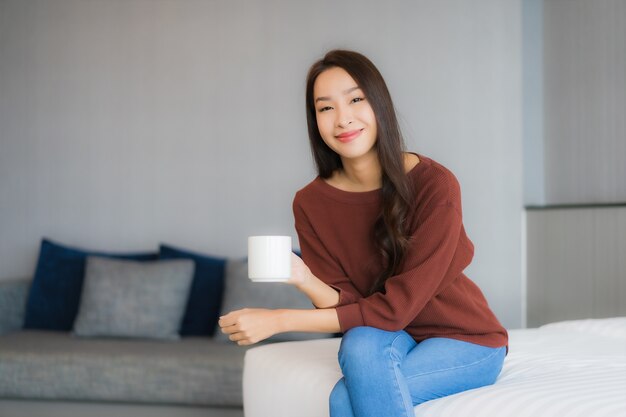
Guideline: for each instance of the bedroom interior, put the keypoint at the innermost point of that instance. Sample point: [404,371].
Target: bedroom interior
[127,124]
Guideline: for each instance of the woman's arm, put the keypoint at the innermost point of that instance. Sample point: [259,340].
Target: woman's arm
[251,325]
[320,294]
[322,264]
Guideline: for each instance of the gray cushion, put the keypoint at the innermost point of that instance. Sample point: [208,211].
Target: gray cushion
[13,294]
[55,365]
[134,298]
[241,292]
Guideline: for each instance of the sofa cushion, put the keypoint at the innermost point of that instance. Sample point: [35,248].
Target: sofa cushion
[57,284]
[207,288]
[55,365]
[134,299]
[241,292]
[13,293]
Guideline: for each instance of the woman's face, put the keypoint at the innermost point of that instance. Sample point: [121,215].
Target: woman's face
[345,118]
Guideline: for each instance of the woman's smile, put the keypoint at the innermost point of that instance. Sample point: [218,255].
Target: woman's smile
[349,136]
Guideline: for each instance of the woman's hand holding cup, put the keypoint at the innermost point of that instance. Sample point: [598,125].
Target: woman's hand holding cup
[300,273]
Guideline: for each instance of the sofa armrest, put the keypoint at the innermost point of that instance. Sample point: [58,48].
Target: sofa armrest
[13,293]
[303,375]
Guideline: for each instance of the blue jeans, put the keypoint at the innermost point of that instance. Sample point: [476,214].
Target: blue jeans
[388,373]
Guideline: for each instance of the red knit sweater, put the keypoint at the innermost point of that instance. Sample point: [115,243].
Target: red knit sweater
[431,297]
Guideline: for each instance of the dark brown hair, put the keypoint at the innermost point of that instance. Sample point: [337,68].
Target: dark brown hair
[390,231]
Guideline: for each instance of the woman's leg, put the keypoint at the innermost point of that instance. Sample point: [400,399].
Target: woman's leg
[340,405]
[388,373]
[373,384]
[439,367]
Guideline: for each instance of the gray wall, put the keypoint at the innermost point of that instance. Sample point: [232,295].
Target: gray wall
[585,101]
[128,123]
[532,102]
[576,264]
[575,124]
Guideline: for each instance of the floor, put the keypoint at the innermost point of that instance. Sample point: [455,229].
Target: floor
[18,408]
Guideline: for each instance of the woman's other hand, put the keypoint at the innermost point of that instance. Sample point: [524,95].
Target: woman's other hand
[250,325]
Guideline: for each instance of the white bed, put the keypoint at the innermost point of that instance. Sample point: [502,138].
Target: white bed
[571,368]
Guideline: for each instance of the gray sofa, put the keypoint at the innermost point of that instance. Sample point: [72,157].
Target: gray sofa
[56,373]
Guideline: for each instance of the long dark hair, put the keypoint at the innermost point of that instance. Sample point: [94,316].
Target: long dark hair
[390,230]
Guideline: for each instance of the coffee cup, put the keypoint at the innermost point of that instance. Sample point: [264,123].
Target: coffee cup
[269,258]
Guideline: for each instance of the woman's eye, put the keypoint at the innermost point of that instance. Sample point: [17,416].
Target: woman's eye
[323,109]
[357,99]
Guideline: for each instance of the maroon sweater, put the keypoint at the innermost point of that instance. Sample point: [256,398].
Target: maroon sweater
[431,296]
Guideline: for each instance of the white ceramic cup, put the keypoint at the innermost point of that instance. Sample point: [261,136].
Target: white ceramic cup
[269,258]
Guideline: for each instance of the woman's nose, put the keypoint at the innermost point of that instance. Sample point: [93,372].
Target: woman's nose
[344,117]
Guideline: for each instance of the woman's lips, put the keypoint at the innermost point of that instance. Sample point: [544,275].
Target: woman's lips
[349,136]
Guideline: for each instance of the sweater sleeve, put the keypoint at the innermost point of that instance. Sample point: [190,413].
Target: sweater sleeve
[438,254]
[319,260]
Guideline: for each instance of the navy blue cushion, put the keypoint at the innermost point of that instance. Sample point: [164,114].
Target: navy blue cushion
[205,296]
[55,292]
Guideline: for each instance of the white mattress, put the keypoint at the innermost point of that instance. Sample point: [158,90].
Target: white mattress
[573,368]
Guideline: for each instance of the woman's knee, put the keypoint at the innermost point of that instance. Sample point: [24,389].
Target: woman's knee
[358,335]
[364,345]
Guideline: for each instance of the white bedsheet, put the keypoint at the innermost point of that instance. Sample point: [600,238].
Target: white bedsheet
[573,368]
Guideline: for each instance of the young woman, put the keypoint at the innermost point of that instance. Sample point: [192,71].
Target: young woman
[384,249]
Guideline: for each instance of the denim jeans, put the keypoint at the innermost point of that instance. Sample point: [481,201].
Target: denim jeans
[388,373]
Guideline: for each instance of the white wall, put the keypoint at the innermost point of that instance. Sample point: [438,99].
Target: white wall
[128,123]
